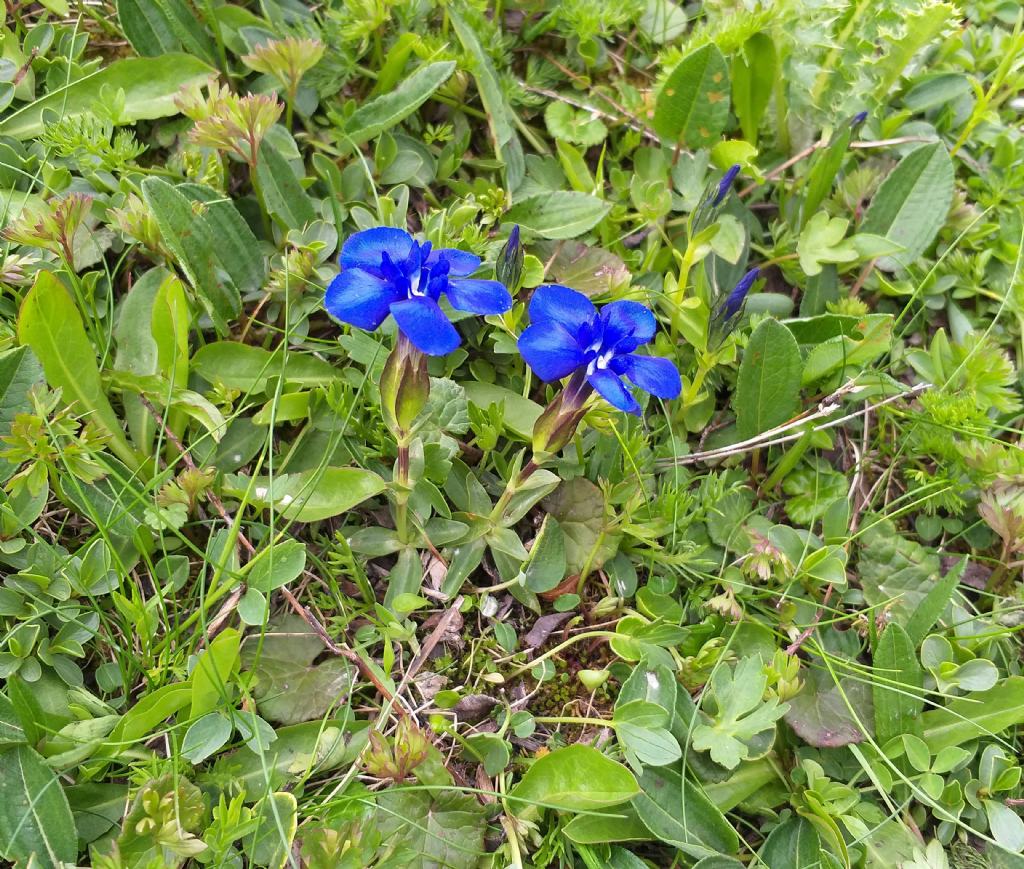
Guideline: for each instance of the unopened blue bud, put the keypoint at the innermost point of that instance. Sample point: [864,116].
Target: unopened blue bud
[858,119]
[509,268]
[730,307]
[726,183]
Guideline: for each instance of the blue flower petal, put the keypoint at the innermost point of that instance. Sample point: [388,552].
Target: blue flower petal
[365,249]
[657,376]
[424,323]
[627,325]
[479,296]
[550,350]
[555,303]
[461,263]
[613,390]
[359,298]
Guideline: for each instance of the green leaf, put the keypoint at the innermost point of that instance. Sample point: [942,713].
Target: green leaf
[753,73]
[823,240]
[740,714]
[911,205]
[290,688]
[19,371]
[822,714]
[205,736]
[249,368]
[276,565]
[236,248]
[768,386]
[35,818]
[520,413]
[441,828]
[676,811]
[546,567]
[794,844]
[693,105]
[150,85]
[985,713]
[192,240]
[897,686]
[310,495]
[934,604]
[283,196]
[213,676]
[895,573]
[500,117]
[574,125]
[617,824]
[575,778]
[388,109]
[270,844]
[832,357]
[590,529]
[823,172]
[558,214]
[49,323]
[157,27]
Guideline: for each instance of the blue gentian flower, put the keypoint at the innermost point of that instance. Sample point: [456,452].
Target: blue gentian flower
[568,335]
[732,303]
[386,271]
[725,183]
[858,119]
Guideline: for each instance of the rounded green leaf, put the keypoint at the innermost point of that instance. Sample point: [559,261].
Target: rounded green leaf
[575,778]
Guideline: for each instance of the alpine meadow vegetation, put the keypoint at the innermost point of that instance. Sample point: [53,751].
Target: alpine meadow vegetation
[441,434]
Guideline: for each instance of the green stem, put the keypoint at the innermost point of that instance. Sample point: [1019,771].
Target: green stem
[586,635]
[402,492]
[788,462]
[511,489]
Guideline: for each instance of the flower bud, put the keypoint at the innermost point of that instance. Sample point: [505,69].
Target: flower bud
[404,387]
[509,268]
[556,426]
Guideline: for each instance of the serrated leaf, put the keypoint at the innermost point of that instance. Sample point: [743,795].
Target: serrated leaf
[693,105]
[911,205]
[768,386]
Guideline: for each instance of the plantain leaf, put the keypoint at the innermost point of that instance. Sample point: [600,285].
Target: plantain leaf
[150,85]
[49,323]
[35,818]
[693,105]
[388,109]
[192,240]
[911,205]
[768,386]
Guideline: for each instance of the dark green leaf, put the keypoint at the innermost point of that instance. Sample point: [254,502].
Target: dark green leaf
[693,105]
[768,386]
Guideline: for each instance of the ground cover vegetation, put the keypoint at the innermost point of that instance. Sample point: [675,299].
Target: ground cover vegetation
[437,433]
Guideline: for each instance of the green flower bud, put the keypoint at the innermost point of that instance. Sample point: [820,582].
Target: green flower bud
[404,387]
